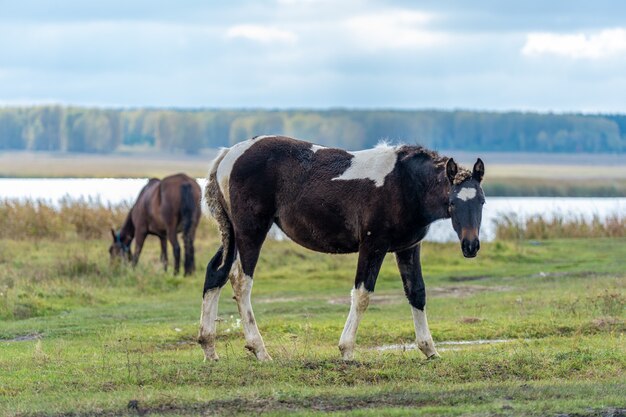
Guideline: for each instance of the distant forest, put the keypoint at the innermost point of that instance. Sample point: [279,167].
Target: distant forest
[73,129]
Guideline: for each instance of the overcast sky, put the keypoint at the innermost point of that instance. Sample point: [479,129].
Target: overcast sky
[558,55]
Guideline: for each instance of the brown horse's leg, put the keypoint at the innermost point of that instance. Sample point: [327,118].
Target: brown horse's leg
[163,240]
[140,237]
[171,236]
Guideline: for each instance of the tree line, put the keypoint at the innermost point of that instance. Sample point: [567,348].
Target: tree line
[74,129]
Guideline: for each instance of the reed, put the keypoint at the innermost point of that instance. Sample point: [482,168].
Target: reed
[92,219]
[511,227]
[70,218]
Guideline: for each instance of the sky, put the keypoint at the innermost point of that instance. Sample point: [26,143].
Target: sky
[558,55]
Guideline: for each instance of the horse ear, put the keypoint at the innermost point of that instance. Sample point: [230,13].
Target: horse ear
[479,170]
[451,170]
[113,234]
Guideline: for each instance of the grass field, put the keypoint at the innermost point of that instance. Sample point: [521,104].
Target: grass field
[81,337]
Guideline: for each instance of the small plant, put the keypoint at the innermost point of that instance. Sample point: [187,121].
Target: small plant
[609,303]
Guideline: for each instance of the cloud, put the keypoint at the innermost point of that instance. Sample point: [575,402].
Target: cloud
[604,44]
[395,29]
[262,34]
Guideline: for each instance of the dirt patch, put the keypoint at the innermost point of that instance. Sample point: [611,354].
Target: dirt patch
[455,291]
[445,345]
[607,322]
[374,299]
[458,291]
[280,300]
[469,278]
[470,320]
[23,338]
[259,406]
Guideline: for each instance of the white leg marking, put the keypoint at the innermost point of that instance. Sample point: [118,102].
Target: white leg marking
[422,333]
[373,164]
[360,301]
[208,317]
[242,286]
[466,193]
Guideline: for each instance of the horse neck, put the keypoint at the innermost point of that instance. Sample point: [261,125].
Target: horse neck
[434,205]
[127,232]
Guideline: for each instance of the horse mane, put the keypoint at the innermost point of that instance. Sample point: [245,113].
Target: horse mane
[128,228]
[439,161]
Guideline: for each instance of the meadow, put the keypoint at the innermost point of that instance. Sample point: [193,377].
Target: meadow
[81,336]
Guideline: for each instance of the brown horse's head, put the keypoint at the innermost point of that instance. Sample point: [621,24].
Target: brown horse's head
[465,205]
[119,249]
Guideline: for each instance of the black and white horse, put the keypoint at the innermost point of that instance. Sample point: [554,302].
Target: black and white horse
[329,200]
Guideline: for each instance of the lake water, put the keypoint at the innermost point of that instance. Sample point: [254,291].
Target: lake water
[110,190]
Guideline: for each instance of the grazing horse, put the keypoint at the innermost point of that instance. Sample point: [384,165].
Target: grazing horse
[329,200]
[163,208]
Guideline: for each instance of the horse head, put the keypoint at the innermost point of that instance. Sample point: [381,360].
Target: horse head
[465,204]
[119,249]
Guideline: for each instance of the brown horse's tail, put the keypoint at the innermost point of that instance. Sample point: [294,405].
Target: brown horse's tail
[219,266]
[187,208]
[188,216]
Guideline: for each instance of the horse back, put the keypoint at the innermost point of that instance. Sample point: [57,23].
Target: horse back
[326,199]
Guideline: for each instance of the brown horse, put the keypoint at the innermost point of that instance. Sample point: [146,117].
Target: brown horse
[164,208]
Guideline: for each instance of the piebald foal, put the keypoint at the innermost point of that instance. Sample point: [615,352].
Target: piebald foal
[329,200]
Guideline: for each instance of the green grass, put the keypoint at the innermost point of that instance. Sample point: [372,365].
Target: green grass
[108,340]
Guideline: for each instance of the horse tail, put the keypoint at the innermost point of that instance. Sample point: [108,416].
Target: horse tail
[187,208]
[219,266]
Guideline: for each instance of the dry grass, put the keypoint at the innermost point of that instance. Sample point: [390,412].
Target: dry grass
[86,219]
[510,227]
[91,219]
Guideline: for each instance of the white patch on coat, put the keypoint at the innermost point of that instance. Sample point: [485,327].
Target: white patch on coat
[422,333]
[360,301]
[208,318]
[316,148]
[242,286]
[226,165]
[374,164]
[466,193]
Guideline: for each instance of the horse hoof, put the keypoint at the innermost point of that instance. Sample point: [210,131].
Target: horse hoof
[346,353]
[263,356]
[260,353]
[347,356]
[211,356]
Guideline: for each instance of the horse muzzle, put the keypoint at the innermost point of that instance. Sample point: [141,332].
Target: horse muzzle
[470,247]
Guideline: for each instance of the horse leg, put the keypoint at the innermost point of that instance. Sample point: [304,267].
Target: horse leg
[413,282]
[163,240]
[140,237]
[370,261]
[249,247]
[171,236]
[188,239]
[208,323]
